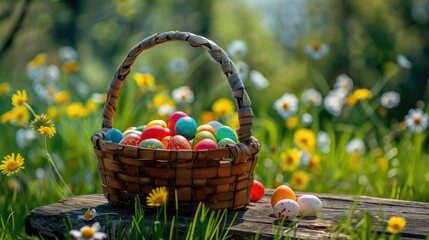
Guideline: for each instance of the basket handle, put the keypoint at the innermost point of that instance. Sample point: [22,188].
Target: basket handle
[245,114]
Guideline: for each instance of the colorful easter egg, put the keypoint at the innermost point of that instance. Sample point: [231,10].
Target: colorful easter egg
[282,192]
[205,144]
[202,135]
[225,141]
[157,122]
[134,131]
[226,132]
[130,140]
[287,209]
[206,127]
[151,143]
[215,125]
[257,191]
[141,128]
[177,142]
[155,131]
[187,127]
[165,141]
[309,205]
[114,135]
[174,117]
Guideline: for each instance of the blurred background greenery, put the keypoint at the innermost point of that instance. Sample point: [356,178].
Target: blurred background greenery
[363,39]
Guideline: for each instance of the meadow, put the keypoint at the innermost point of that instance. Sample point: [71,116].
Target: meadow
[323,129]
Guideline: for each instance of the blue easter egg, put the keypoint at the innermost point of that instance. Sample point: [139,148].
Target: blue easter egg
[215,124]
[114,135]
[187,127]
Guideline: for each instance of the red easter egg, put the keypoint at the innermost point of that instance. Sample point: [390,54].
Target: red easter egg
[173,119]
[206,144]
[155,131]
[257,191]
[178,142]
[131,139]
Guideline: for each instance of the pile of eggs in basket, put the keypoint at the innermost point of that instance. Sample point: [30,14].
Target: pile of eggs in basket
[181,132]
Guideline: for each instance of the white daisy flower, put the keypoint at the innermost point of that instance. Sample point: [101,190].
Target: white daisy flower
[258,79]
[88,215]
[323,141]
[304,161]
[317,50]
[165,110]
[242,69]
[355,146]
[88,233]
[286,105]
[237,49]
[334,103]
[344,82]
[390,99]
[416,120]
[67,54]
[178,65]
[182,95]
[24,137]
[40,173]
[403,62]
[307,119]
[311,97]
[98,98]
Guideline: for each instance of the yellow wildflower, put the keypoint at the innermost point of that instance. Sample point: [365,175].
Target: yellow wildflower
[305,139]
[44,130]
[11,165]
[223,107]
[19,98]
[91,105]
[157,197]
[291,122]
[382,163]
[144,80]
[4,88]
[53,112]
[396,224]
[207,116]
[71,67]
[162,99]
[62,97]
[314,162]
[300,180]
[355,162]
[358,94]
[18,115]
[74,110]
[38,60]
[290,159]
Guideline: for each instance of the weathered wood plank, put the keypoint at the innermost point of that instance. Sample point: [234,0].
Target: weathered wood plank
[47,221]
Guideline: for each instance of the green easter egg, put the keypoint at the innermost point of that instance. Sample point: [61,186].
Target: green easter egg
[202,135]
[226,132]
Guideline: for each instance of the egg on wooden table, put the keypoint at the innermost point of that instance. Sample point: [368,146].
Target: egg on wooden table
[309,205]
[287,209]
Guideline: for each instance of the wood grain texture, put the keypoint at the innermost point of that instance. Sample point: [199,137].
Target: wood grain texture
[257,218]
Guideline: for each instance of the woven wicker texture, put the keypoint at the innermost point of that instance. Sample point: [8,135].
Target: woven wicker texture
[221,178]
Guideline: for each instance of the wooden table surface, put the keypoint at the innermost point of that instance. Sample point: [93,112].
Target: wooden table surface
[48,221]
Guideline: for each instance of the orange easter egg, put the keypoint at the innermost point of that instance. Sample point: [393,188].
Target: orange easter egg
[282,192]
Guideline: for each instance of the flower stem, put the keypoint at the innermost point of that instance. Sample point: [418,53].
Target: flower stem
[51,161]
[30,108]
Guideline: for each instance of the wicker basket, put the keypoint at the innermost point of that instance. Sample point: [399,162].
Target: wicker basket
[207,176]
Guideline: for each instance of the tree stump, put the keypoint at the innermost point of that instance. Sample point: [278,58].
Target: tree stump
[54,221]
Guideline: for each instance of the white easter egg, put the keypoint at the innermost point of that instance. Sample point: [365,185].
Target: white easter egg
[309,205]
[287,209]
